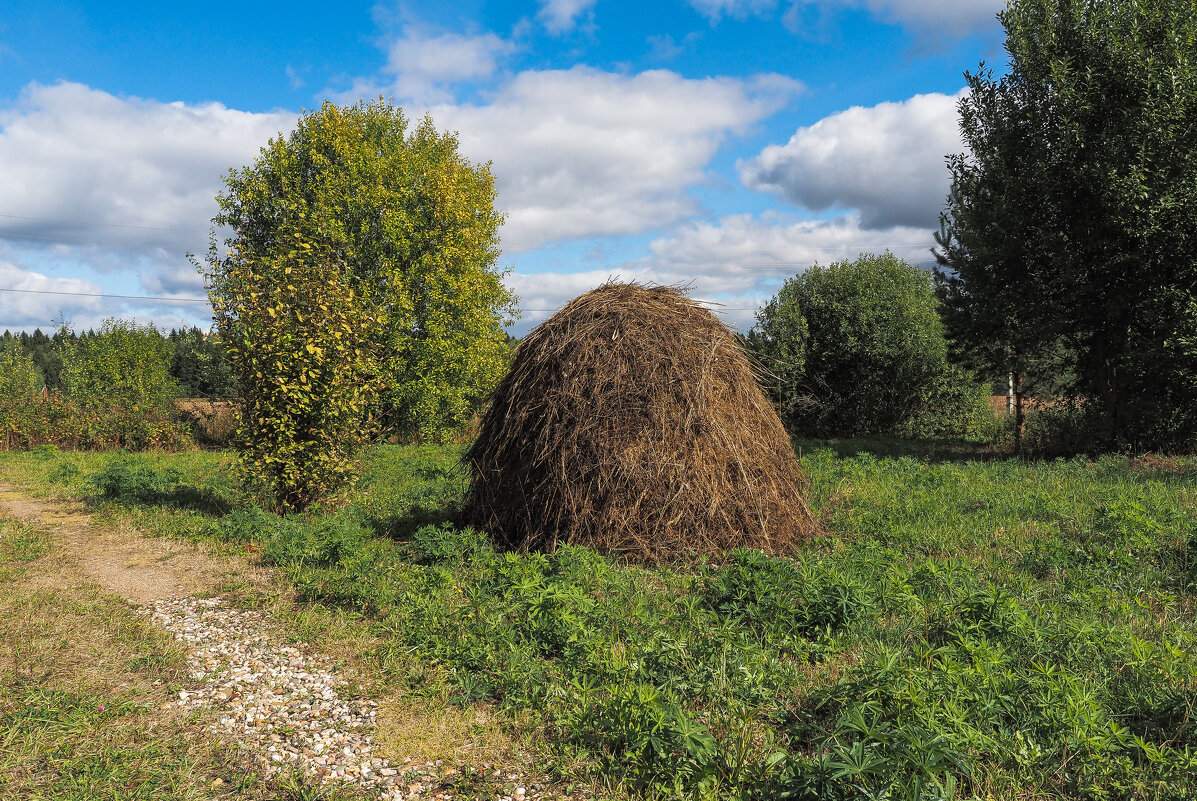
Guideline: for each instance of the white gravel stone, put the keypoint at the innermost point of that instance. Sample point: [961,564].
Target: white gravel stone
[271,696]
[280,703]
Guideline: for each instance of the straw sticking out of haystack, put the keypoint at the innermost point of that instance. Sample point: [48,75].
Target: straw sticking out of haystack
[631,421]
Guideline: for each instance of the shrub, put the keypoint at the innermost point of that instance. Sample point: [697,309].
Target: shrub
[299,344]
[958,406]
[19,379]
[858,348]
[130,479]
[117,394]
[19,383]
[74,425]
[122,363]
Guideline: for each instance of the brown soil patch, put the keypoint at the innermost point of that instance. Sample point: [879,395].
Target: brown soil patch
[120,560]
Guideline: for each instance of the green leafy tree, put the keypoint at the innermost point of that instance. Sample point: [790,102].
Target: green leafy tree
[779,340]
[411,224]
[199,364]
[1068,244]
[301,350]
[123,362]
[19,378]
[858,348]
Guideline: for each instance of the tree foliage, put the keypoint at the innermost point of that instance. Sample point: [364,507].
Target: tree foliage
[1068,246]
[199,365]
[858,348]
[358,289]
[19,379]
[299,342]
[123,362]
[412,224]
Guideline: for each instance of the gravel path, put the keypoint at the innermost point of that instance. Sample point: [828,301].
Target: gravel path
[283,704]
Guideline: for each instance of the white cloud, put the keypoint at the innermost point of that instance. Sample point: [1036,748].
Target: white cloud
[950,16]
[422,66]
[956,17]
[714,10]
[109,185]
[445,58]
[581,152]
[27,303]
[82,166]
[738,261]
[561,16]
[886,161]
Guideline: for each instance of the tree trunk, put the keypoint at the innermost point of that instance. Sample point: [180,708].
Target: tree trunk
[1020,414]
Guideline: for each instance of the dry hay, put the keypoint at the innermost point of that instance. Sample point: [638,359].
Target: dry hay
[632,422]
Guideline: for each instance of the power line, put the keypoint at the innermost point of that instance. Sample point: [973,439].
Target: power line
[205,300]
[76,241]
[102,224]
[102,295]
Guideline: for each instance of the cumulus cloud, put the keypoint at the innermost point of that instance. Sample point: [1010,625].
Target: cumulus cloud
[582,152]
[886,161]
[735,264]
[82,166]
[30,300]
[561,16]
[109,185]
[424,64]
[956,17]
[714,10]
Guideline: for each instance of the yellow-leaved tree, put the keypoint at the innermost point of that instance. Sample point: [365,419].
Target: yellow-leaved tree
[358,292]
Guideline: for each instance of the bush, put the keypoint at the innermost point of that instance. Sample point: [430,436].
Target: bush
[858,348]
[958,406]
[123,362]
[97,425]
[299,344]
[116,393]
[19,379]
[19,383]
[131,480]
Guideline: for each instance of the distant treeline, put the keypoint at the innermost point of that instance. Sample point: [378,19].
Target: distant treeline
[196,358]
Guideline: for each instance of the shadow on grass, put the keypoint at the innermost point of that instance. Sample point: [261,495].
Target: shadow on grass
[189,499]
[132,481]
[925,450]
[401,526]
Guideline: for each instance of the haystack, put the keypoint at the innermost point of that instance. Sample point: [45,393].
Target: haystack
[632,422]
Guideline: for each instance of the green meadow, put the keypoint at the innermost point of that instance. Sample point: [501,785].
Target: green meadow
[967,627]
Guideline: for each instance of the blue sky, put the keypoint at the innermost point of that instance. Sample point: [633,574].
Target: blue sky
[726,144]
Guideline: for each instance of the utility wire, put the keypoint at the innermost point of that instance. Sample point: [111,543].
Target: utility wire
[102,295]
[103,224]
[205,300]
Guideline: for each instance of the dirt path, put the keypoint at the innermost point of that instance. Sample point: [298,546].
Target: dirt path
[140,568]
[242,668]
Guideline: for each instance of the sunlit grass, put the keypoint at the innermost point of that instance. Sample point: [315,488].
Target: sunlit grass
[969,626]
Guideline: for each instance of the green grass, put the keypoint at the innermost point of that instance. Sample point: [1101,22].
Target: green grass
[968,628]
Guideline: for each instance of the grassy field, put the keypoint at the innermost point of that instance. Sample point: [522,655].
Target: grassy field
[967,628]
